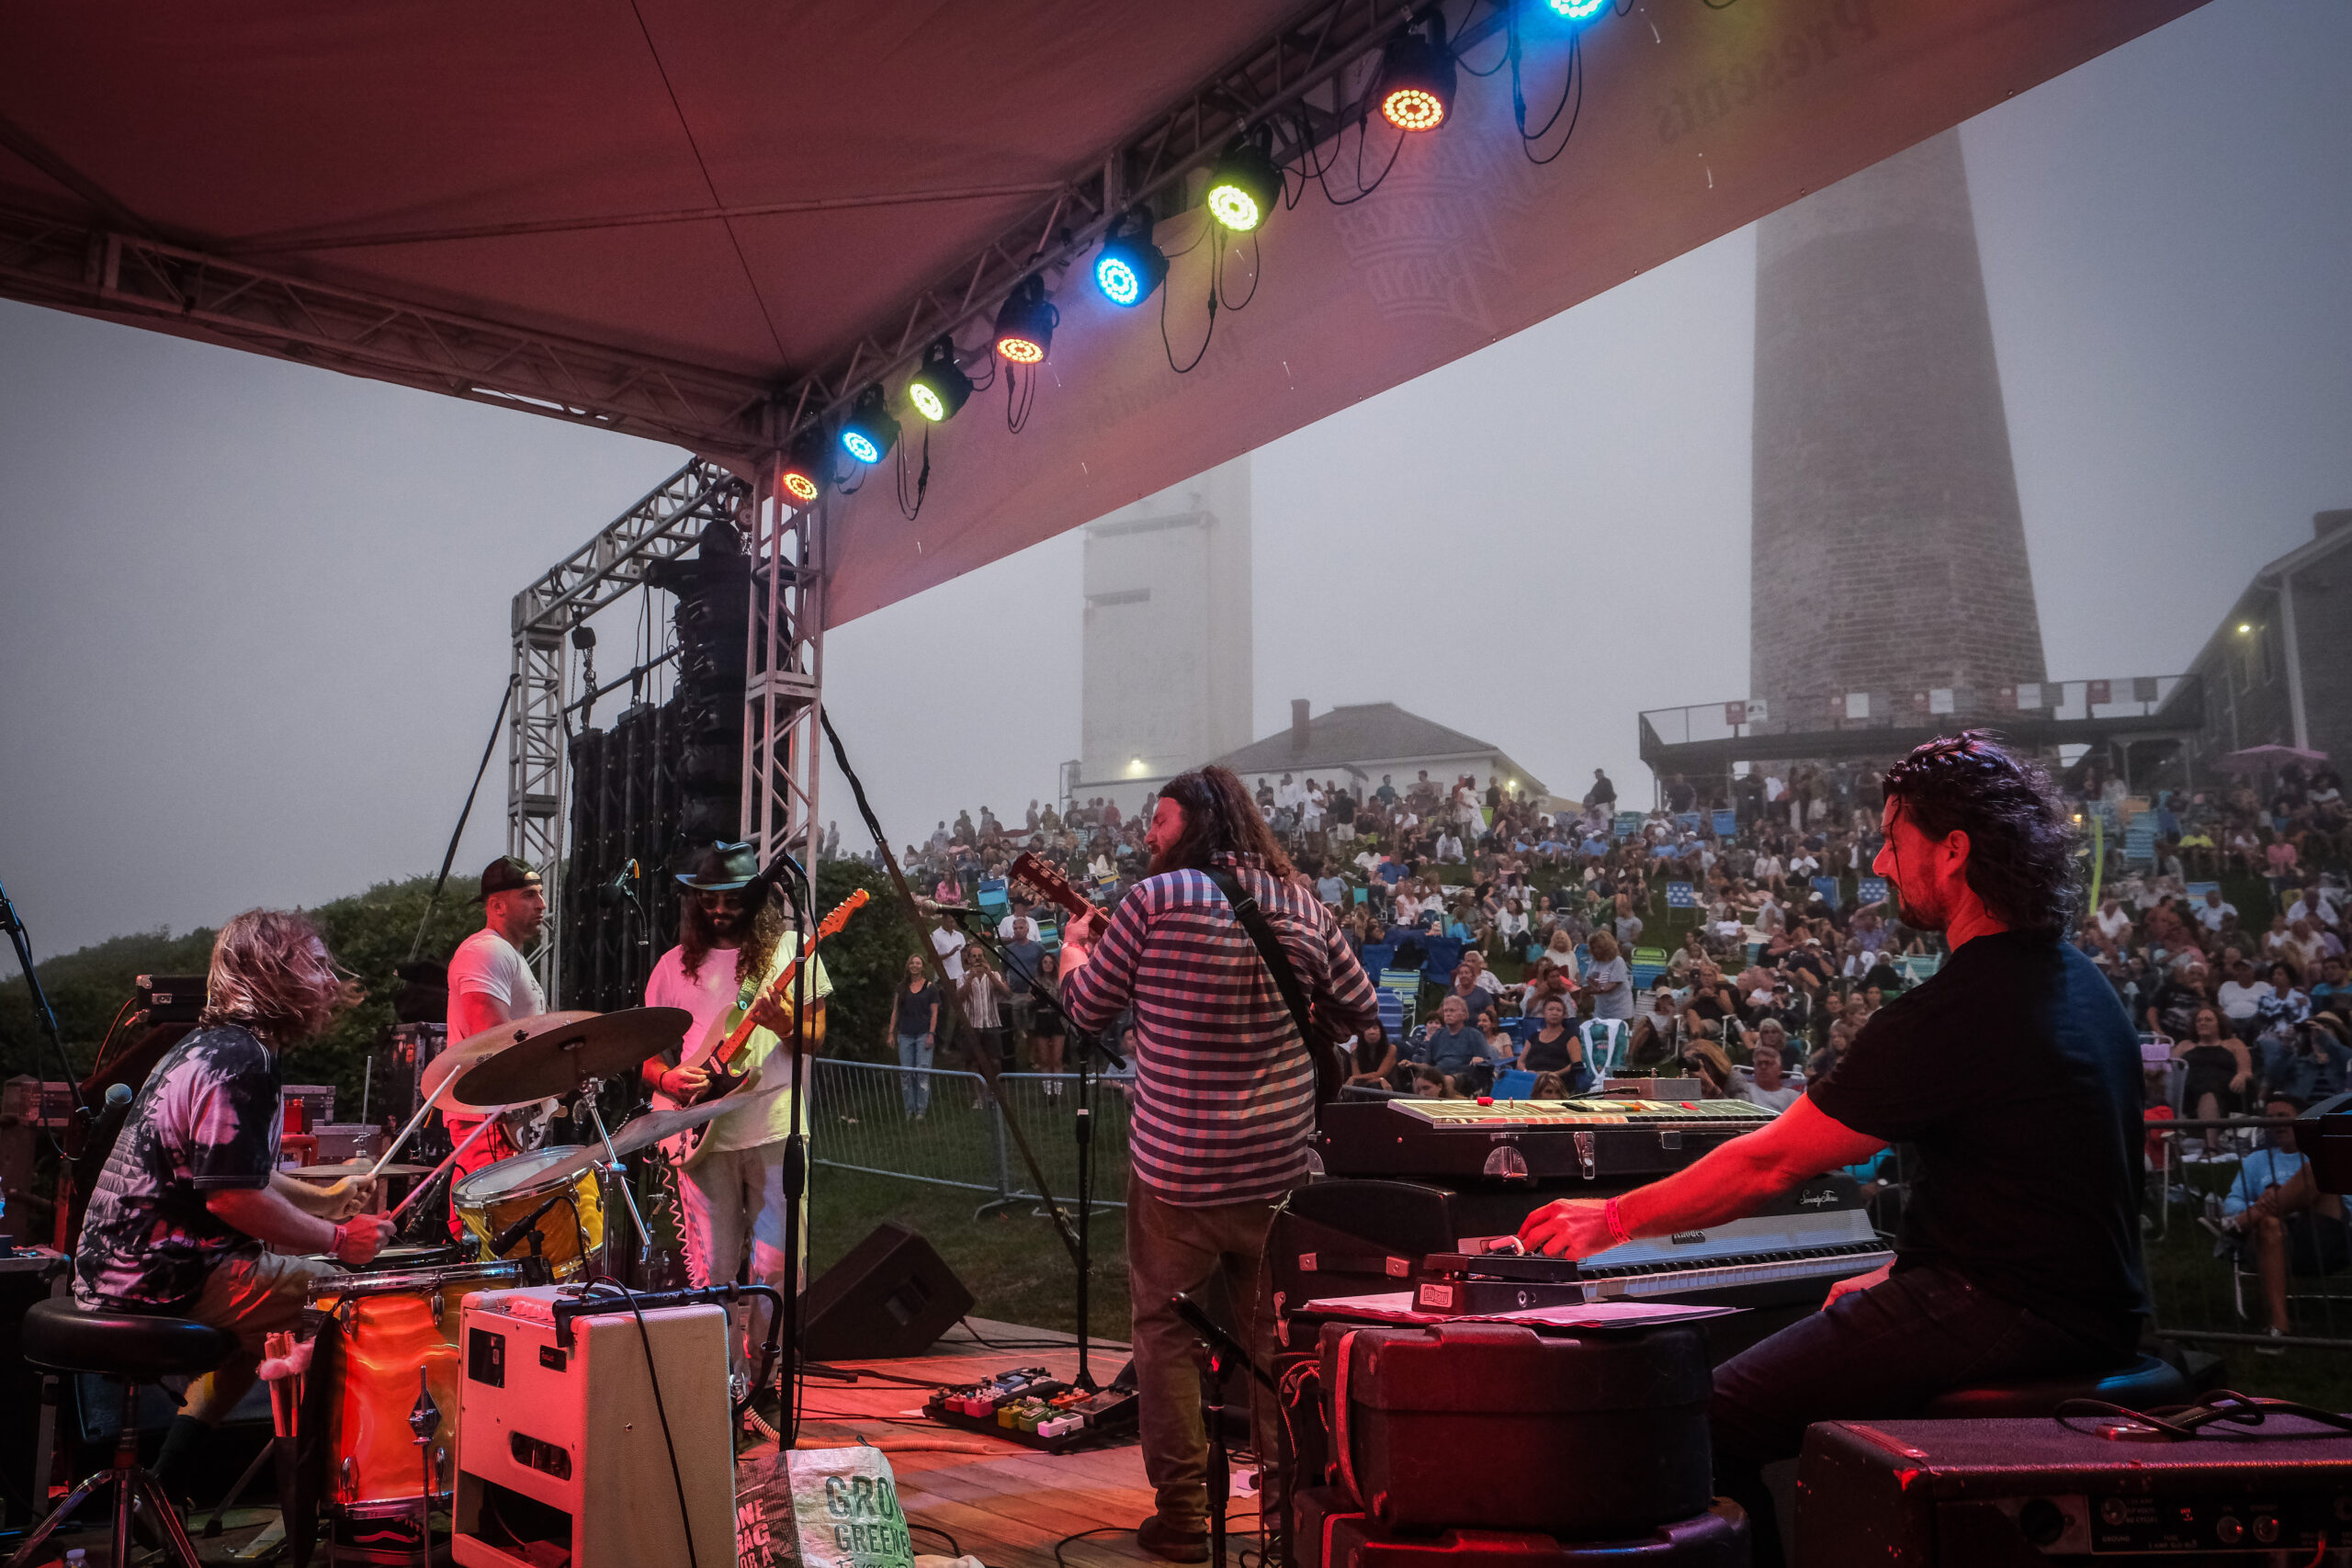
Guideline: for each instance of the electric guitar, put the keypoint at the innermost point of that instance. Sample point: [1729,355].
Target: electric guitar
[731,1031]
[1043,882]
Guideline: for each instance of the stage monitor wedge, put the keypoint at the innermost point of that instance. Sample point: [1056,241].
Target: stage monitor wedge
[893,1295]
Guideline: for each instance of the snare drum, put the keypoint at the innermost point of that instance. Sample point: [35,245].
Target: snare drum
[393,1338]
[571,1232]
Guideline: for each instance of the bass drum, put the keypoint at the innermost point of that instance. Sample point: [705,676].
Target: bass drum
[390,1353]
[571,1228]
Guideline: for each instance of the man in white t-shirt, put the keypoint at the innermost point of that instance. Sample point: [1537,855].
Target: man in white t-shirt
[948,943]
[1019,924]
[2212,912]
[734,940]
[491,983]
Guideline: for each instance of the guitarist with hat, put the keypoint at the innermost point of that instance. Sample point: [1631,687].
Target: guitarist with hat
[734,940]
[1222,1099]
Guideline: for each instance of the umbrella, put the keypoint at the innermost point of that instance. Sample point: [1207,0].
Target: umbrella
[2254,759]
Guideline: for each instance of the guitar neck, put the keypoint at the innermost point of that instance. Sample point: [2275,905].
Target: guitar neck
[1051,882]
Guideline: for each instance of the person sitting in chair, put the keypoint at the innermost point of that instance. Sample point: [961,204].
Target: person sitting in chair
[184,1216]
[2278,1222]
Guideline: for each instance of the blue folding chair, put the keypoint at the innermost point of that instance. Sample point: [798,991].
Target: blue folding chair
[991,898]
[1827,888]
[1726,823]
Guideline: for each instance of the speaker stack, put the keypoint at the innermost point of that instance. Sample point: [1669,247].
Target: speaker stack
[1490,1443]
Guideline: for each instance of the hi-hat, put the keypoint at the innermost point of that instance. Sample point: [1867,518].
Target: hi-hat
[556,1053]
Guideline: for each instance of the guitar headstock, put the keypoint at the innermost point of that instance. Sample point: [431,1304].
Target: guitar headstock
[838,917]
[1040,881]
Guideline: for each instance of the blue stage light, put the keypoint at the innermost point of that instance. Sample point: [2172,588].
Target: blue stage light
[1577,10]
[869,432]
[1130,266]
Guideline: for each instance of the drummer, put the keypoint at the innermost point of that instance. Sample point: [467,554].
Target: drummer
[733,940]
[181,1219]
[491,983]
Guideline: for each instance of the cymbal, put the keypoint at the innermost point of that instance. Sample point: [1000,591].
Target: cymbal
[356,1168]
[654,1126]
[558,1051]
[476,1049]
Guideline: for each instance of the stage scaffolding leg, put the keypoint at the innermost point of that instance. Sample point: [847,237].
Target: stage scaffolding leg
[785,677]
[536,770]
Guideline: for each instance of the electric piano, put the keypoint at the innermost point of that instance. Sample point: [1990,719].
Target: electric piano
[1414,1192]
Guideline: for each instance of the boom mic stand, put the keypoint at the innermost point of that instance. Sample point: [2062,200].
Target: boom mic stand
[1082,1123]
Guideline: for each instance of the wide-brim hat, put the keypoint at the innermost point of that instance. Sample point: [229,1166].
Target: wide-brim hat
[506,875]
[2334,1023]
[723,868]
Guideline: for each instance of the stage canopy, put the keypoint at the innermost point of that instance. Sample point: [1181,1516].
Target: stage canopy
[710,223]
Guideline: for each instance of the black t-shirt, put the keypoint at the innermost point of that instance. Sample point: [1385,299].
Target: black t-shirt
[2016,1076]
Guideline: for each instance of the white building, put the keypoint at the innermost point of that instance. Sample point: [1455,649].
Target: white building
[1166,679]
[1359,743]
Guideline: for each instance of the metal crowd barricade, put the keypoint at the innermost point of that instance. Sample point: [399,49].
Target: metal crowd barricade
[862,1118]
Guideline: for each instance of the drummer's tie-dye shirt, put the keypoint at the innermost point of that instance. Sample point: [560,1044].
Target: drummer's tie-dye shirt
[207,1120]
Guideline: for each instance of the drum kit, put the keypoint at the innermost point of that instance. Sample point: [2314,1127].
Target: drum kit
[382,1389]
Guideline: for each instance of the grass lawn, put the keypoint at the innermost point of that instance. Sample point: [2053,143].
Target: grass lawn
[1011,1259]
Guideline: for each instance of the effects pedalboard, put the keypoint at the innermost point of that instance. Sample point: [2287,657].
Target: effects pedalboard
[1035,1409]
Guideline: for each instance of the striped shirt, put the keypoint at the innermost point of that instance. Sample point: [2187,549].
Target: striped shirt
[1224,1097]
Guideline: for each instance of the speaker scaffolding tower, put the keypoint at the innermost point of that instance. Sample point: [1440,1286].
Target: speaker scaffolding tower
[666,524]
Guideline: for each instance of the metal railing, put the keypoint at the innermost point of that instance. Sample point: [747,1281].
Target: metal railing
[2129,696]
[945,1127]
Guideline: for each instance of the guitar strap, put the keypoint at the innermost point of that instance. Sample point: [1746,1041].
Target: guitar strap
[1253,920]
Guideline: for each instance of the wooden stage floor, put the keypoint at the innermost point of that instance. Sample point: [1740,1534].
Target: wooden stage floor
[1004,1503]
[1000,1501]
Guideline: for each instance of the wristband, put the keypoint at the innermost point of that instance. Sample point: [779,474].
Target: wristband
[1615,1221]
[335,1242]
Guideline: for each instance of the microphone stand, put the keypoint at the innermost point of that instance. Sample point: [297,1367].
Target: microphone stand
[42,1009]
[800,892]
[1082,1125]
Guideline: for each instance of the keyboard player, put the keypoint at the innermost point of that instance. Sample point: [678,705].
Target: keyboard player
[2014,1073]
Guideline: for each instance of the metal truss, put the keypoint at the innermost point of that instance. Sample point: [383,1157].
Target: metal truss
[146,282]
[784,690]
[668,522]
[1306,82]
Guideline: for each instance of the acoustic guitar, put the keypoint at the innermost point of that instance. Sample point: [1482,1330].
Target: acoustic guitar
[719,1050]
[1044,883]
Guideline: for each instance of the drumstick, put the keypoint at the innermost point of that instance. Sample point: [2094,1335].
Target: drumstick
[414,1123]
[418,1190]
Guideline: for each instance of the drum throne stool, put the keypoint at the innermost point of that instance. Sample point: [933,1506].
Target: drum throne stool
[129,1350]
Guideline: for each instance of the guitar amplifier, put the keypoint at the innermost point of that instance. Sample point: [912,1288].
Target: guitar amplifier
[2031,1492]
[594,1440]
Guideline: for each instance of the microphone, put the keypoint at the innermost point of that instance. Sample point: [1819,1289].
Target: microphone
[524,1226]
[623,886]
[103,1128]
[933,906]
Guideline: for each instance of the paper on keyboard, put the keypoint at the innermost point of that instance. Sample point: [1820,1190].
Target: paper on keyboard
[1396,1306]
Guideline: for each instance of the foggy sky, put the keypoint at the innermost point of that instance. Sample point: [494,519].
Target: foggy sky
[254,617]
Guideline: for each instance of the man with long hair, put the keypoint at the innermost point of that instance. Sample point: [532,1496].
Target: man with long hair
[2015,1074]
[1222,1101]
[734,940]
[181,1218]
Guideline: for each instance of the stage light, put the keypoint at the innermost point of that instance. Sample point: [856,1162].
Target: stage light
[1243,186]
[807,468]
[1025,322]
[940,386]
[1417,75]
[869,432]
[1577,10]
[1130,266]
